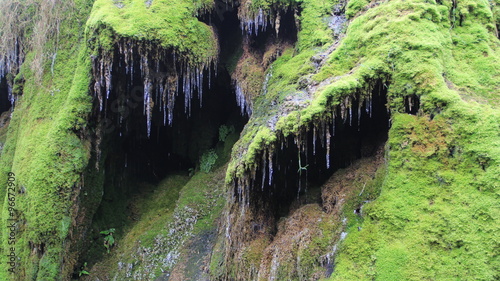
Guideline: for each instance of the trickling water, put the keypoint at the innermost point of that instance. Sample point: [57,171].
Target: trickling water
[269,75]
[273,274]
[343,235]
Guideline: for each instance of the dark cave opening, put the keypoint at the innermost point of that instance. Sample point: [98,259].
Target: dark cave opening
[280,28]
[412,104]
[304,163]
[284,31]
[133,152]
[180,126]
[5,103]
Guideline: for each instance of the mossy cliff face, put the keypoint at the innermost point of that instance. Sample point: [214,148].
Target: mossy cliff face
[411,87]
[46,152]
[433,60]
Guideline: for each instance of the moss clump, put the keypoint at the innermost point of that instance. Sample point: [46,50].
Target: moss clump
[162,222]
[47,157]
[45,150]
[435,216]
[171,24]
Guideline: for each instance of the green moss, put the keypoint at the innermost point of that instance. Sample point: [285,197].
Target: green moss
[421,61]
[172,24]
[433,219]
[354,7]
[46,155]
[314,31]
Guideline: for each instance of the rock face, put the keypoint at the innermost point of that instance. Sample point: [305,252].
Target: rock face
[249,140]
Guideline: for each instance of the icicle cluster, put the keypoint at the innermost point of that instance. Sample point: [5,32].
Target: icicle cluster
[253,25]
[10,61]
[163,77]
[322,133]
[241,100]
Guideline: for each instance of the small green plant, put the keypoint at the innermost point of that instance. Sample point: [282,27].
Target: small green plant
[301,168]
[83,271]
[109,240]
[224,131]
[208,160]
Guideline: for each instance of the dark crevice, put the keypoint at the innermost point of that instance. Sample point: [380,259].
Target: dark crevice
[230,38]
[134,161]
[412,104]
[307,161]
[5,103]
[169,147]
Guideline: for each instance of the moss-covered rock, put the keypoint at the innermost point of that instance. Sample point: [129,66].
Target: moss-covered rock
[435,63]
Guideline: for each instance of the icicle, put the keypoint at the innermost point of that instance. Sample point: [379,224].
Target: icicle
[131,66]
[171,93]
[263,170]
[270,161]
[200,85]
[253,25]
[350,114]
[188,90]
[97,90]
[314,140]
[209,77]
[328,146]
[241,101]
[333,124]
[359,114]
[108,78]
[370,108]
[342,112]
[148,102]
